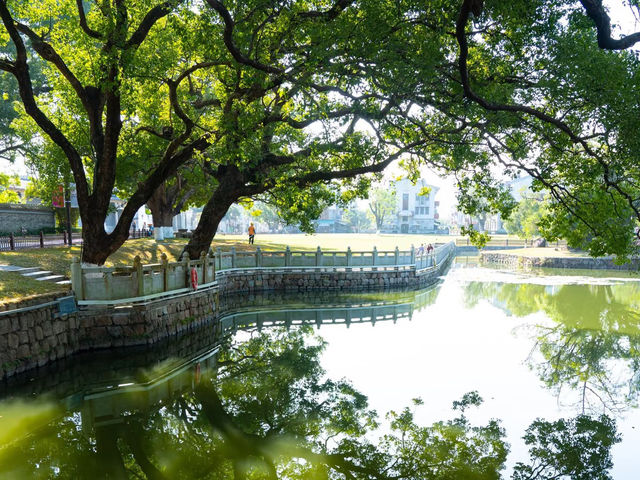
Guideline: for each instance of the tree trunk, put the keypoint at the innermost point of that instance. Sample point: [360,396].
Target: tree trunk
[212,213]
[97,245]
[229,190]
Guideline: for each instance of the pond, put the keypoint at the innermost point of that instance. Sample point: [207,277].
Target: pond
[489,374]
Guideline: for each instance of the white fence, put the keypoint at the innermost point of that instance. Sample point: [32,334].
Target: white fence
[138,280]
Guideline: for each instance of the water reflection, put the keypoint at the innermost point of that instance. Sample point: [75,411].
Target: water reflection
[591,348]
[261,407]
[250,400]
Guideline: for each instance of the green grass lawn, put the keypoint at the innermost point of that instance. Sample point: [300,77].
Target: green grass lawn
[14,287]
[335,241]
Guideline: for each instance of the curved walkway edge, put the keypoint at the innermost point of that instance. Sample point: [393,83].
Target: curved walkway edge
[32,337]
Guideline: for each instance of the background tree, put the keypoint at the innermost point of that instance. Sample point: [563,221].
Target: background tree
[524,220]
[7,195]
[382,204]
[357,218]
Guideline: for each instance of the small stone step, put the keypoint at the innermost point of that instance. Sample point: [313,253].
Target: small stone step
[64,282]
[23,270]
[50,278]
[39,273]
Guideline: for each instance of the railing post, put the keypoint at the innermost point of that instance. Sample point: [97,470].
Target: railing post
[64,236]
[12,242]
[165,272]
[318,257]
[41,239]
[219,257]
[397,254]
[137,267]
[349,257]
[213,271]
[258,257]
[374,257]
[76,278]
[187,271]
[507,242]
[233,257]
[203,259]
[413,255]
[287,257]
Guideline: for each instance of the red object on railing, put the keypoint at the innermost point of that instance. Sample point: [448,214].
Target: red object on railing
[194,279]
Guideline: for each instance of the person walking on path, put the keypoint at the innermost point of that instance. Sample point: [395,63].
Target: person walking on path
[252,233]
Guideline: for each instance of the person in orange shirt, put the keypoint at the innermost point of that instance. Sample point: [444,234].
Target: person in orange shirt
[252,232]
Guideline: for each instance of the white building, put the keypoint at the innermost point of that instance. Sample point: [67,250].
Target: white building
[141,220]
[415,213]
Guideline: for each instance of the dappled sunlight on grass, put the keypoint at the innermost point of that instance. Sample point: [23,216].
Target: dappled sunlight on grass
[55,259]
[335,241]
[14,287]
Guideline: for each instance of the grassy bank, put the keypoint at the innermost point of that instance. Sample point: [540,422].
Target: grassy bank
[14,287]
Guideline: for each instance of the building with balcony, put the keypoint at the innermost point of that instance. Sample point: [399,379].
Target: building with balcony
[415,213]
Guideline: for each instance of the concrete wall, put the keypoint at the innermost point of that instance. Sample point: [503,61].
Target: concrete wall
[34,335]
[32,217]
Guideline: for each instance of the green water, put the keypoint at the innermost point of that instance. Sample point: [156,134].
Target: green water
[442,383]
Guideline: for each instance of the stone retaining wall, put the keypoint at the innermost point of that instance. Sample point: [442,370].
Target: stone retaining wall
[517,261]
[32,336]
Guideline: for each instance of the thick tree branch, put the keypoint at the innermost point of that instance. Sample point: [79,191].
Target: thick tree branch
[83,22]
[20,70]
[48,53]
[239,57]
[596,11]
[149,20]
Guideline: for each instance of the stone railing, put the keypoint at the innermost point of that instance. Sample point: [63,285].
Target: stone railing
[158,279]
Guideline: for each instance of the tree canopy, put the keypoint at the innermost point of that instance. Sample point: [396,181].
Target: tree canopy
[298,100]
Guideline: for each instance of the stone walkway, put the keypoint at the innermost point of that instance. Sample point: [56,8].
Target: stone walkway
[37,274]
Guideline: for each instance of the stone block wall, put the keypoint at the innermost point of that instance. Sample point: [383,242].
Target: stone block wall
[32,217]
[32,336]
[589,263]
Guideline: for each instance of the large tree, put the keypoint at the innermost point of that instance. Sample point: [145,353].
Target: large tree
[286,97]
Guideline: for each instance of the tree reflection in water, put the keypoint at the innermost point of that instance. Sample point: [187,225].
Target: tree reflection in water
[592,347]
[264,409]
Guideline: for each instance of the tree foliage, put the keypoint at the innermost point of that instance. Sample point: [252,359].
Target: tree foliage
[294,99]
[382,204]
[526,217]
